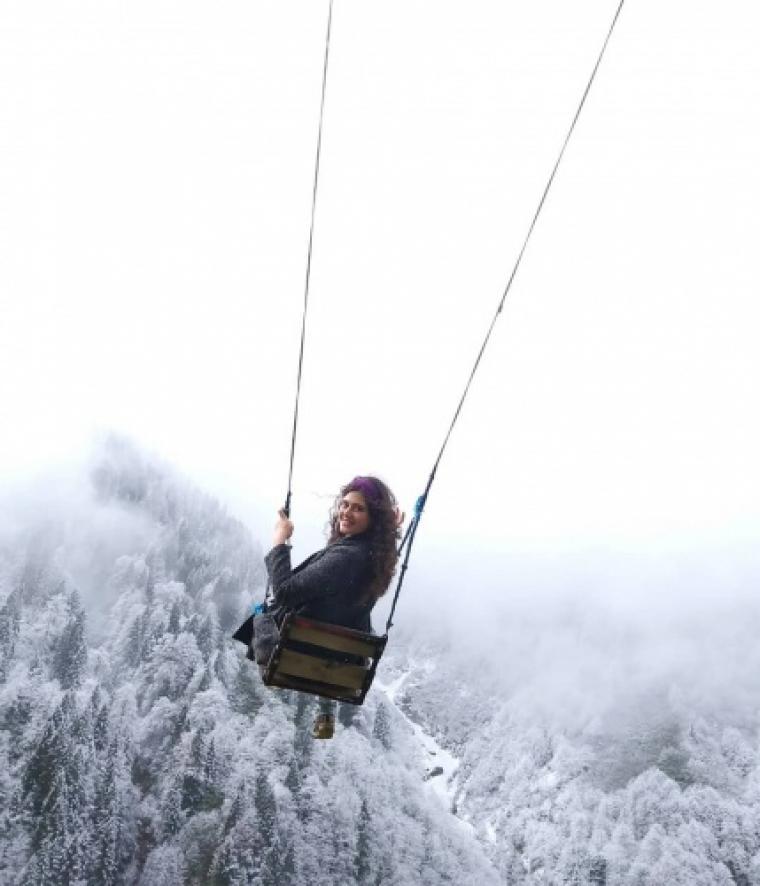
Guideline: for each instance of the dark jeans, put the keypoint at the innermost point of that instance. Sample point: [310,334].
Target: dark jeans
[327,706]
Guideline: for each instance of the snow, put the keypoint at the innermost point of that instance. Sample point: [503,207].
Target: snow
[439,765]
[163,732]
[447,771]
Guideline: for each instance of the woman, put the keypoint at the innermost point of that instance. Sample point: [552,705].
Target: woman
[341,583]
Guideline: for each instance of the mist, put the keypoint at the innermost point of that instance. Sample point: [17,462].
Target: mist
[582,640]
[585,576]
[596,642]
[582,675]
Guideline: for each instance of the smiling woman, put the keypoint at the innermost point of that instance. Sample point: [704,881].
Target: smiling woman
[340,584]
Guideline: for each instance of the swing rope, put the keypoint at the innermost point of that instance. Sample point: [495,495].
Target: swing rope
[420,505]
[286,507]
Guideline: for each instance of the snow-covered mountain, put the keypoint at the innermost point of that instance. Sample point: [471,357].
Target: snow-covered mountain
[662,796]
[585,757]
[147,750]
[137,745]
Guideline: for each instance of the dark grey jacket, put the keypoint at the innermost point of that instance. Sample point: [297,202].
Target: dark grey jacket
[328,586]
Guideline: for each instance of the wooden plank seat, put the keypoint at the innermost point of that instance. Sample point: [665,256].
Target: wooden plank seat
[324,659]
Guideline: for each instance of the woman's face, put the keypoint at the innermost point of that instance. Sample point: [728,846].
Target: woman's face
[353,514]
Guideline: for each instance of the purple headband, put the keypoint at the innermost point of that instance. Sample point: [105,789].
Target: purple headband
[368,488]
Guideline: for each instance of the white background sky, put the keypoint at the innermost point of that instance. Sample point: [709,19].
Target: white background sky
[156,161]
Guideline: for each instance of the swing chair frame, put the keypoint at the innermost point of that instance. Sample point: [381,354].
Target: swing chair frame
[324,659]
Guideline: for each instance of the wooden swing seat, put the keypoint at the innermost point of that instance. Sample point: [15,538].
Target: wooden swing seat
[324,659]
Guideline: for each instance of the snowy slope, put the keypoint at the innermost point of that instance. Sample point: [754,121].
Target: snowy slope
[148,751]
[138,746]
[656,791]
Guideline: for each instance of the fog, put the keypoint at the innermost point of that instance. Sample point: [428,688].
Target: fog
[156,175]
[596,643]
[605,693]
[591,641]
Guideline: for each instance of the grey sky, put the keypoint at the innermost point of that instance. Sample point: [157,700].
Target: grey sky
[156,163]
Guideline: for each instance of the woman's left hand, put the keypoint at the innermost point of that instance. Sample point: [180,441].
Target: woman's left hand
[400,516]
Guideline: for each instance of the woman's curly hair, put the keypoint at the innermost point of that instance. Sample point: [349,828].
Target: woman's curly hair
[383,532]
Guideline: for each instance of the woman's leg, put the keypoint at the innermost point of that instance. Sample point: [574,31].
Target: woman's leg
[324,724]
[327,706]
